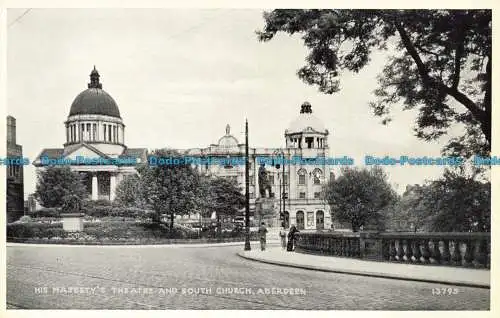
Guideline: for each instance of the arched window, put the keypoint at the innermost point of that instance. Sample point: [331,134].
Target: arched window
[317,174]
[299,218]
[302,176]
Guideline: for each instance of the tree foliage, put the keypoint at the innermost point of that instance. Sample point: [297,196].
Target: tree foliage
[169,189]
[127,191]
[454,203]
[458,203]
[56,184]
[223,196]
[440,63]
[358,196]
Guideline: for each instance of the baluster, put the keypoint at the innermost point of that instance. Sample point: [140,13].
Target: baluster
[426,254]
[392,250]
[408,251]
[337,246]
[445,255]
[456,256]
[480,255]
[435,253]
[342,247]
[416,252]
[469,253]
[400,252]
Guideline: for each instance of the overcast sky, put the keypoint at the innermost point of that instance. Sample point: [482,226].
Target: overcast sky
[180,75]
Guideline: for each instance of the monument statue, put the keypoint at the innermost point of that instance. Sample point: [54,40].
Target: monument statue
[264,183]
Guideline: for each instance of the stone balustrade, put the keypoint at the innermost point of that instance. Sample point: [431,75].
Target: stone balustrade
[335,244]
[438,248]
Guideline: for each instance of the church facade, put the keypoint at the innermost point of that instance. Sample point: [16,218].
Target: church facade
[95,129]
[95,132]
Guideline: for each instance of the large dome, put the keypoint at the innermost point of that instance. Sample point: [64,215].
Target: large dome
[228,141]
[305,121]
[94,100]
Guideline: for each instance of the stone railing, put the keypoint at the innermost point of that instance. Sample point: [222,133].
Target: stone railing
[335,244]
[438,248]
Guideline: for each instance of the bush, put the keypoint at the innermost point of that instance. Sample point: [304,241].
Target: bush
[30,230]
[115,230]
[25,219]
[46,212]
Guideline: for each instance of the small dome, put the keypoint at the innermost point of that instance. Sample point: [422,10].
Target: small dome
[306,120]
[228,141]
[94,100]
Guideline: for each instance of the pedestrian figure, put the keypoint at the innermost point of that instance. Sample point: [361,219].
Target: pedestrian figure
[283,237]
[262,235]
[292,238]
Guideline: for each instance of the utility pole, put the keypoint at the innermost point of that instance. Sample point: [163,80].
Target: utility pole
[247,192]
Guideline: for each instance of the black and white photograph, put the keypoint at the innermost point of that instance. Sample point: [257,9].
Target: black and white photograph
[253,158]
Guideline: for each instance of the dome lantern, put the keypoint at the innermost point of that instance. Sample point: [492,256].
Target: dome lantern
[94,79]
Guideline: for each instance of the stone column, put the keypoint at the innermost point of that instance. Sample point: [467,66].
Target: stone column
[95,187]
[112,186]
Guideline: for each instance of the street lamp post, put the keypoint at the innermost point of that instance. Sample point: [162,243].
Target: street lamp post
[247,193]
[282,183]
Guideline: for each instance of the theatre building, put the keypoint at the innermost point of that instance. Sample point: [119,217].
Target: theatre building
[95,130]
[301,185]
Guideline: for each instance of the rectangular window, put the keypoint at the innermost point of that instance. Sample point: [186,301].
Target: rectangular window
[104,132]
[109,133]
[302,179]
[94,132]
[317,195]
[302,195]
[286,178]
[82,129]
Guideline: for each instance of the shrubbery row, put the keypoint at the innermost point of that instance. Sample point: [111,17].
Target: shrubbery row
[113,230]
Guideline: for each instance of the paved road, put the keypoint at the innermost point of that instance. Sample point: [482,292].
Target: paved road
[66,277]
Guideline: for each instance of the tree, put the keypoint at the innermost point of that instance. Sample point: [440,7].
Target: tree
[458,203]
[440,63]
[169,188]
[56,183]
[223,196]
[127,191]
[409,212]
[359,195]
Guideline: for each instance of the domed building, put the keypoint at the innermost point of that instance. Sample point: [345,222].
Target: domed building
[300,184]
[95,142]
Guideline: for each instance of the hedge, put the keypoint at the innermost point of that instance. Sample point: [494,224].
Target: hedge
[114,230]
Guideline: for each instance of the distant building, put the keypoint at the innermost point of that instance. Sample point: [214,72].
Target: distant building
[15,183]
[95,130]
[30,204]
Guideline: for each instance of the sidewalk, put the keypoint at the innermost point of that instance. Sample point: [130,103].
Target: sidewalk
[425,273]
